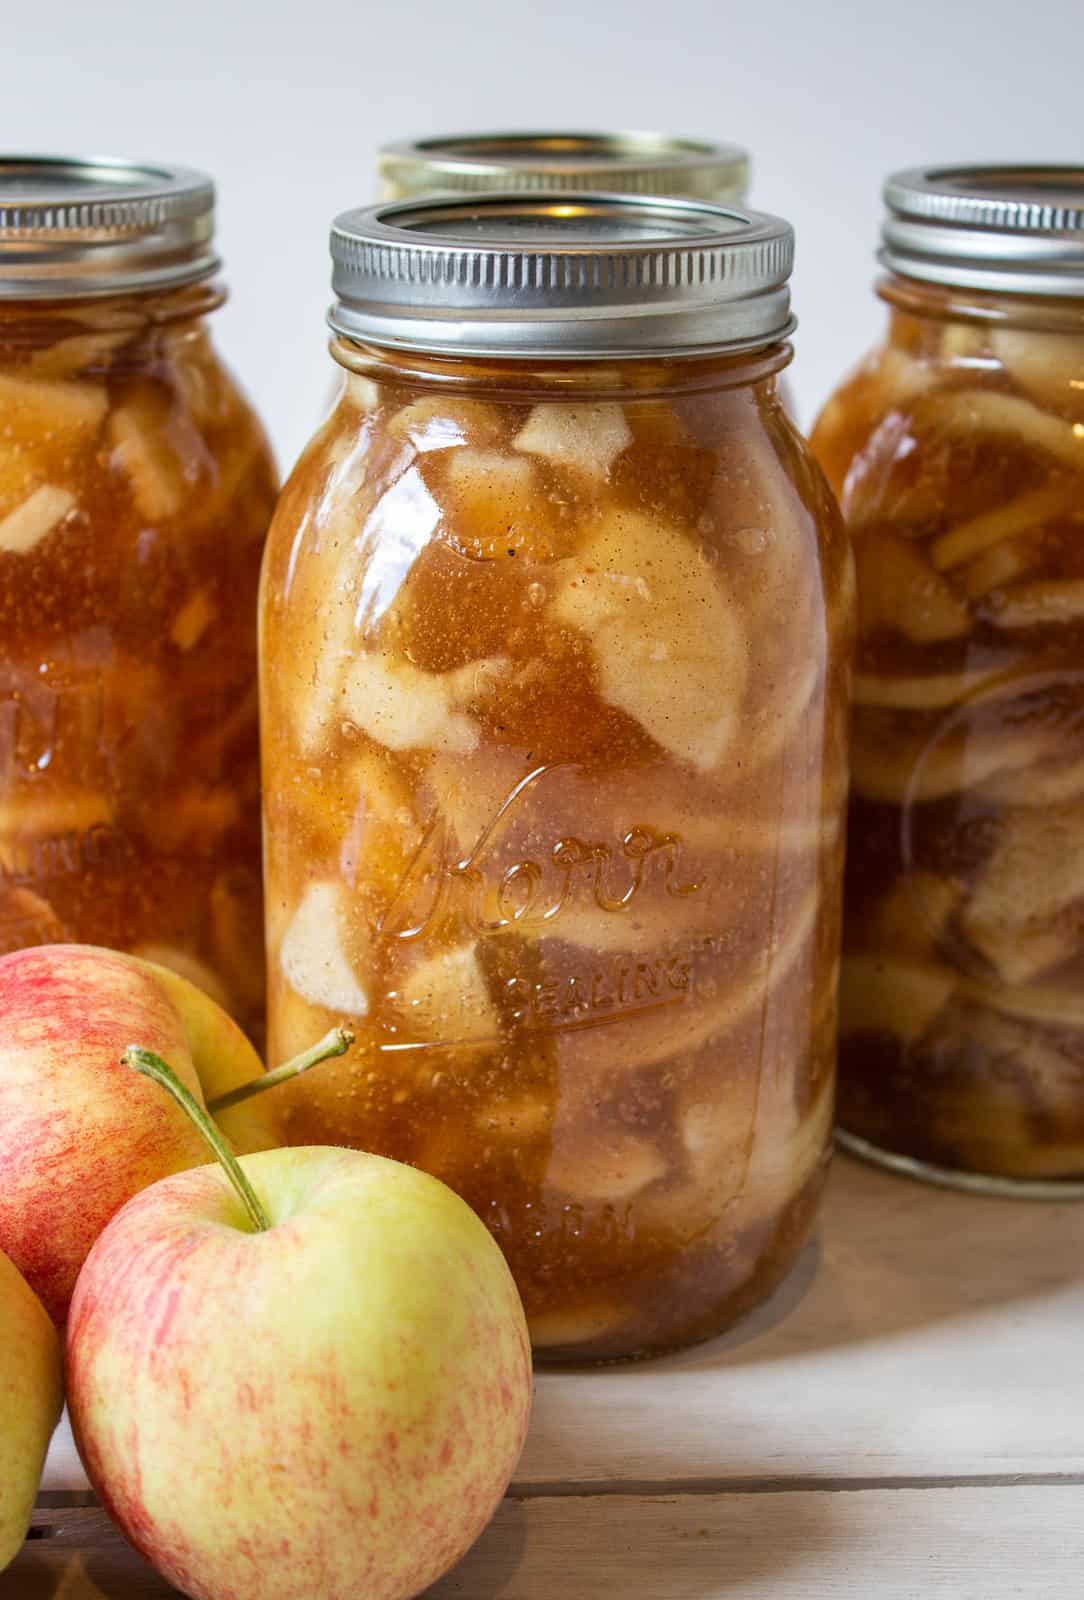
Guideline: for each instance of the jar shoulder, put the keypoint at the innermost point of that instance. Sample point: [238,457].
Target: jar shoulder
[953,377]
[546,467]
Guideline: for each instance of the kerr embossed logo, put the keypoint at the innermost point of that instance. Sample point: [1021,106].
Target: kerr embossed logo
[487,894]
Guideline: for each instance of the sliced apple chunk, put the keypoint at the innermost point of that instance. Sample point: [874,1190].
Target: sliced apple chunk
[439,422]
[904,375]
[64,358]
[669,1031]
[920,692]
[1060,1008]
[1035,872]
[1000,565]
[650,922]
[898,589]
[1042,602]
[780,1167]
[1049,784]
[361,392]
[496,509]
[1049,366]
[1023,1073]
[312,958]
[717,1136]
[965,343]
[318,677]
[909,771]
[912,917]
[971,411]
[368,807]
[31,522]
[29,813]
[346,579]
[604,1165]
[667,639]
[38,408]
[144,453]
[445,998]
[27,918]
[585,438]
[517,1118]
[775,836]
[575,1325]
[991,528]
[403,708]
[786,712]
[193,620]
[880,994]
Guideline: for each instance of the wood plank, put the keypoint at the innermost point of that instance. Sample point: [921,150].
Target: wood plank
[77,1554]
[926,1335]
[940,1544]
[945,1544]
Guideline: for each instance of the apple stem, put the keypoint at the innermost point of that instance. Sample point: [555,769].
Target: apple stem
[152,1066]
[335,1043]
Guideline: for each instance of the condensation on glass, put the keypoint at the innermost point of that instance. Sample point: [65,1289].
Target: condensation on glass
[626,163]
[554,646]
[958,451]
[135,492]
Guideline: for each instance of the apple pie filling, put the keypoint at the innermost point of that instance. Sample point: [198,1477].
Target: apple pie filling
[135,491]
[554,673]
[958,450]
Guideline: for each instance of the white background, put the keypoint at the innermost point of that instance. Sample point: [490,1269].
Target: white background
[285,103]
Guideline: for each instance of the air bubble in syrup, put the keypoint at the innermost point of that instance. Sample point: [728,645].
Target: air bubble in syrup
[751,541]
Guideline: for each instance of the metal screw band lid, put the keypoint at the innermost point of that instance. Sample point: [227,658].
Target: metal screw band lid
[1006,229]
[617,163]
[564,277]
[72,227]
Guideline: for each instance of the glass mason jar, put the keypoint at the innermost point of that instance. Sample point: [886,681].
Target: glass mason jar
[552,802]
[958,452]
[136,488]
[618,163]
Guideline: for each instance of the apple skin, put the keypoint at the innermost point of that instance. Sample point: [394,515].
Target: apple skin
[327,1410]
[31,1398]
[224,1058]
[79,1132]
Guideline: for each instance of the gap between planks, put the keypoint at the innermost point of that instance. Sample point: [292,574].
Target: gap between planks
[690,1488]
[978,1543]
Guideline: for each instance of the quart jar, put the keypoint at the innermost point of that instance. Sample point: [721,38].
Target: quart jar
[554,649]
[562,160]
[136,488]
[958,451]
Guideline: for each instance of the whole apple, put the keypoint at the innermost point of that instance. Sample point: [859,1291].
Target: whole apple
[80,1133]
[31,1397]
[326,1404]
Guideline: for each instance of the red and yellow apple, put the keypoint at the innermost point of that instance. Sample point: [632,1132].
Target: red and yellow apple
[80,1133]
[316,1383]
[30,1402]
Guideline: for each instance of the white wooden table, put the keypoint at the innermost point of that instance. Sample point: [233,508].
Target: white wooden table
[905,1419]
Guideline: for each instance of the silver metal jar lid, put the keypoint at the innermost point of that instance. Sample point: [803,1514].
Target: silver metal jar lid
[564,277]
[1008,229]
[618,163]
[79,226]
